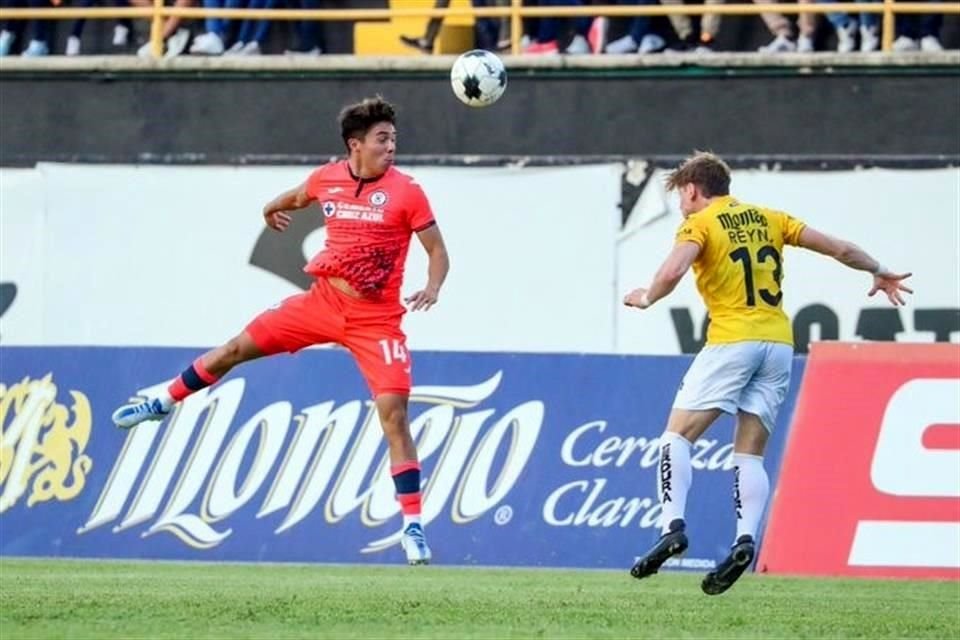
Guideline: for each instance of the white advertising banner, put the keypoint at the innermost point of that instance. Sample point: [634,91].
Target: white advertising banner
[179,256]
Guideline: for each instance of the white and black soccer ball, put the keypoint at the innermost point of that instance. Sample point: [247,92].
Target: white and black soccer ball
[478,78]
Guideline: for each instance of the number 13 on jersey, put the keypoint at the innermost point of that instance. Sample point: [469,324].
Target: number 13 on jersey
[765,252]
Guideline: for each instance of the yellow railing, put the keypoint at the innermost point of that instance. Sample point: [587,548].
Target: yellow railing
[516,12]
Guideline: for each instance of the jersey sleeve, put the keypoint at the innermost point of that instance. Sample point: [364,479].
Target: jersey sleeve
[791,228]
[313,182]
[419,213]
[693,229]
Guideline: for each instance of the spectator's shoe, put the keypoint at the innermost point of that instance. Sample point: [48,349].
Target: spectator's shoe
[626,44]
[207,44]
[805,45]
[732,567]
[252,48]
[597,36]
[415,544]
[144,51]
[903,43]
[121,35]
[177,43]
[672,543]
[73,46]
[578,46]
[930,43]
[538,48]
[235,49]
[705,45]
[6,42]
[36,49]
[420,44]
[651,43]
[869,39]
[780,44]
[130,415]
[309,53]
[847,37]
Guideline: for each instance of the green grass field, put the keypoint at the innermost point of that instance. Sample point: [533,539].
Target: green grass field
[89,599]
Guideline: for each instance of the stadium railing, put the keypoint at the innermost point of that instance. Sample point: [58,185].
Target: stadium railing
[515,11]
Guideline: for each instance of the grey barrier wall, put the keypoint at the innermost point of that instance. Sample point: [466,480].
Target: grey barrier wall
[183,113]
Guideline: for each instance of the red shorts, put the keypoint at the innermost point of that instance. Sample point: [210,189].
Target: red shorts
[369,330]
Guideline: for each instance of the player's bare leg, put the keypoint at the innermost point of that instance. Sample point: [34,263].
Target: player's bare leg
[204,371]
[405,468]
[750,491]
[675,475]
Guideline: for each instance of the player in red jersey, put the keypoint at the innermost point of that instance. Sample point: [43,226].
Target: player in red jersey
[371,211]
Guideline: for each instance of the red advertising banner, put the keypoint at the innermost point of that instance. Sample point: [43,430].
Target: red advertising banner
[870,482]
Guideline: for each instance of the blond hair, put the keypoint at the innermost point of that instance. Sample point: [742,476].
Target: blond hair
[705,170]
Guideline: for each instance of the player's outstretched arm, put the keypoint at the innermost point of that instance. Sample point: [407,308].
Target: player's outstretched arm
[669,274]
[437,267]
[275,212]
[856,258]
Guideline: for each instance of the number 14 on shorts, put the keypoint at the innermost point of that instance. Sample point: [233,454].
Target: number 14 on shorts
[393,350]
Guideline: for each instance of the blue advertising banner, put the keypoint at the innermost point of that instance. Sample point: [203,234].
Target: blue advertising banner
[528,460]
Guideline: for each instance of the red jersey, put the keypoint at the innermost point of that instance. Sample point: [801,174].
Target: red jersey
[369,223]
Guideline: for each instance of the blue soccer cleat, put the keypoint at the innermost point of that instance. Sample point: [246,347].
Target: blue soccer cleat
[130,415]
[414,542]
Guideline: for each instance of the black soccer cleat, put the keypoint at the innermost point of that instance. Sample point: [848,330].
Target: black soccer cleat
[421,44]
[732,567]
[670,544]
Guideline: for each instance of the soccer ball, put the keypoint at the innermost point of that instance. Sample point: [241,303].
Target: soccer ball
[478,78]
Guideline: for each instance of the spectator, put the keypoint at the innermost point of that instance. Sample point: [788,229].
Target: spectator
[12,30]
[309,33]
[39,30]
[212,41]
[174,36]
[253,33]
[486,30]
[782,32]
[683,26]
[545,39]
[640,37]
[847,28]
[918,32]
[121,31]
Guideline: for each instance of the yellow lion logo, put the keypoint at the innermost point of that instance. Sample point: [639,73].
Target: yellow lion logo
[38,443]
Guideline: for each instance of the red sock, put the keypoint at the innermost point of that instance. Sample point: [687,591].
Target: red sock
[193,378]
[406,479]
[410,503]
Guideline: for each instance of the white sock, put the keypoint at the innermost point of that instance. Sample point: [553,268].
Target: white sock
[166,400]
[750,490]
[408,520]
[674,477]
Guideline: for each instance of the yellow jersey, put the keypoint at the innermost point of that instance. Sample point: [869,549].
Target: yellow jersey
[739,271]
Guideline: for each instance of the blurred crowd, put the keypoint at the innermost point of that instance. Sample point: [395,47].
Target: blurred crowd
[579,36]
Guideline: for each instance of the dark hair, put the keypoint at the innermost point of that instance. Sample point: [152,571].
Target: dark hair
[705,170]
[356,119]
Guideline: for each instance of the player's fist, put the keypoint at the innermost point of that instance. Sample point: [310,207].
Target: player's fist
[637,298]
[277,220]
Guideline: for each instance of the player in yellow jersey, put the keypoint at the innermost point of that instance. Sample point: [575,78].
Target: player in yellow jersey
[736,251]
